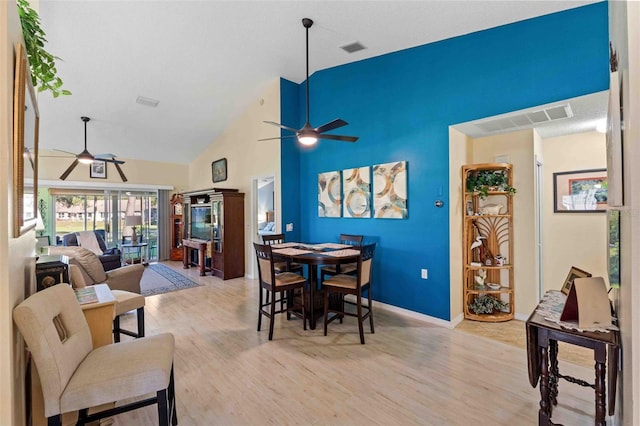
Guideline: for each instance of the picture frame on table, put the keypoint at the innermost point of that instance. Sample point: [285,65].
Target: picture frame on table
[98,169]
[25,146]
[219,170]
[573,274]
[580,191]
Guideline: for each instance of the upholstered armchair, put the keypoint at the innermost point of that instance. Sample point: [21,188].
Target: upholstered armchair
[87,269]
[110,257]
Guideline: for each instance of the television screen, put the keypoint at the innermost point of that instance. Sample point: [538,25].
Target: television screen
[201,222]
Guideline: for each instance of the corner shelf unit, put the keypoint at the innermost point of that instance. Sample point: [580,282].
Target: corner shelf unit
[483,218]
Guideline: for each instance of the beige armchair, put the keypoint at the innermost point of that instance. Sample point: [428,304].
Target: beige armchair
[88,270]
[76,377]
[85,268]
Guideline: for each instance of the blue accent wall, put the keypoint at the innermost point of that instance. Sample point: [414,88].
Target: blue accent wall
[290,160]
[401,106]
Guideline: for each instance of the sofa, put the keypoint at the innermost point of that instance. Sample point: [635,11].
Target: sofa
[110,258]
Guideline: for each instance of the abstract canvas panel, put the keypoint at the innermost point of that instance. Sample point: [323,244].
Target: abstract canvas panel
[390,190]
[357,192]
[329,194]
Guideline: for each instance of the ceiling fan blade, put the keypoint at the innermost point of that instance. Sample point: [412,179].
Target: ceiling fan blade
[120,172]
[282,126]
[69,169]
[110,160]
[66,152]
[338,138]
[104,156]
[338,122]
[279,137]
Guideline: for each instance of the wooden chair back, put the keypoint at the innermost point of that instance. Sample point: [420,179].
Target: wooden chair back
[266,271]
[354,240]
[273,239]
[365,264]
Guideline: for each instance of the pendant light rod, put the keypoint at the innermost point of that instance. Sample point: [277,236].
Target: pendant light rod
[307,23]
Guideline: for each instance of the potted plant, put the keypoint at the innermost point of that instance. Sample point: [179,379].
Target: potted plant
[485,304]
[483,181]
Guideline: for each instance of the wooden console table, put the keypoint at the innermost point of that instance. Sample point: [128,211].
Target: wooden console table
[201,247]
[542,359]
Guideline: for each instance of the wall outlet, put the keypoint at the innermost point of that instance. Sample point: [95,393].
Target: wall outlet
[424,274]
[289,227]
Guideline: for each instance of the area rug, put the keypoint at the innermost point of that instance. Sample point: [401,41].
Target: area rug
[158,279]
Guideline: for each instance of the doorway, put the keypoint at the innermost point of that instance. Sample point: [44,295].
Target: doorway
[263,213]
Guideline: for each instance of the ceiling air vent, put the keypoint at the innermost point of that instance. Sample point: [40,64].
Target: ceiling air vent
[353,47]
[527,119]
[147,101]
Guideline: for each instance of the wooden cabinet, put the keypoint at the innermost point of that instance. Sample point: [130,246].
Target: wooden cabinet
[177,227]
[488,271]
[218,216]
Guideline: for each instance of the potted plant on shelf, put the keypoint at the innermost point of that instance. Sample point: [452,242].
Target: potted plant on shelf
[485,304]
[483,181]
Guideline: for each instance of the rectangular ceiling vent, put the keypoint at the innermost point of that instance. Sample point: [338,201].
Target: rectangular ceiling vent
[353,47]
[147,101]
[527,119]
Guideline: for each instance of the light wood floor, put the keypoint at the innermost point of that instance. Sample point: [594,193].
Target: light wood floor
[409,372]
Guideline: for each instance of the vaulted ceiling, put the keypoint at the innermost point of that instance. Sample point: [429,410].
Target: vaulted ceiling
[206,61]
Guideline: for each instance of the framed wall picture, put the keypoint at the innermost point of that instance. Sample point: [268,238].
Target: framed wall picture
[580,191]
[573,274]
[25,147]
[98,169]
[219,170]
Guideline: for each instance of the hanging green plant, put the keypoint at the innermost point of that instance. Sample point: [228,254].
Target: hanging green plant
[42,63]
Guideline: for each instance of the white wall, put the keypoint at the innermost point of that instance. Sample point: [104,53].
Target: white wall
[246,157]
[16,254]
[572,239]
[519,147]
[136,171]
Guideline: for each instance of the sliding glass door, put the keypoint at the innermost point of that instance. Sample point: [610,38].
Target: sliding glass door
[79,210]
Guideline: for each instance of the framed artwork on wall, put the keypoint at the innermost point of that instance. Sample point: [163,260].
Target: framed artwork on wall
[25,147]
[356,184]
[580,191]
[329,194]
[219,170]
[98,169]
[390,190]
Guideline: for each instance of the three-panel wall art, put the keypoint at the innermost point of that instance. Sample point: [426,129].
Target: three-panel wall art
[348,193]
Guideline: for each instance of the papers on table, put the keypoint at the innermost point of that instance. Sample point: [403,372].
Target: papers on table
[86,295]
[342,253]
[291,251]
[550,307]
[333,246]
[284,245]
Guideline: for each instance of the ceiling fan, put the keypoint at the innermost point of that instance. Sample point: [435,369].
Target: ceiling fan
[85,157]
[308,135]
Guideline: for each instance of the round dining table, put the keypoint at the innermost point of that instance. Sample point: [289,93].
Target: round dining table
[306,255]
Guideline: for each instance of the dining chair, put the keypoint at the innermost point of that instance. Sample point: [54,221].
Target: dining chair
[273,283]
[349,268]
[344,284]
[76,377]
[281,266]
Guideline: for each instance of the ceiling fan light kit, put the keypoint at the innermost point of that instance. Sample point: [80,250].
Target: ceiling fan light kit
[308,135]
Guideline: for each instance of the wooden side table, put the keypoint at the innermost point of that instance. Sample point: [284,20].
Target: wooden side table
[542,358]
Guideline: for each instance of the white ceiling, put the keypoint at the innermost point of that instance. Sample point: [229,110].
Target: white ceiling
[206,61]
